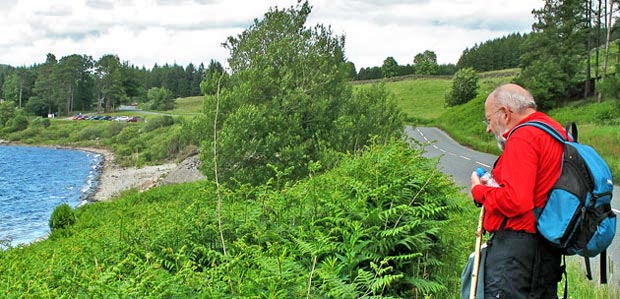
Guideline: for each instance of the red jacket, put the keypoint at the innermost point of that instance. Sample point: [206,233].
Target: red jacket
[527,169]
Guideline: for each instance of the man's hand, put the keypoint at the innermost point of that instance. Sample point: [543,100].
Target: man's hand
[475,180]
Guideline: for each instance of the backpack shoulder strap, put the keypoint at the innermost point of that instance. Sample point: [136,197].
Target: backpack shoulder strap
[571,130]
[545,127]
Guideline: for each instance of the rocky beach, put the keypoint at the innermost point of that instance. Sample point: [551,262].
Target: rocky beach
[115,179]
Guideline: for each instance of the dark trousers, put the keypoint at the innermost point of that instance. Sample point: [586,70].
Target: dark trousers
[521,265]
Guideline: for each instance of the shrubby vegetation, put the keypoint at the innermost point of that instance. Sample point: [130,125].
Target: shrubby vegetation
[160,98]
[380,224]
[464,87]
[151,142]
[62,217]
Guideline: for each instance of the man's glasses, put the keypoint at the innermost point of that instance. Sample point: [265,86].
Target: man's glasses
[487,121]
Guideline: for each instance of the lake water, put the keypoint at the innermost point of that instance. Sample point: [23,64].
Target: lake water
[34,180]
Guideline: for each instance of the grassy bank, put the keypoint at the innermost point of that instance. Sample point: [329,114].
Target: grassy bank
[154,141]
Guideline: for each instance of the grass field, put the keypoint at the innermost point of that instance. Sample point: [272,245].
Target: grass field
[187,106]
[422,100]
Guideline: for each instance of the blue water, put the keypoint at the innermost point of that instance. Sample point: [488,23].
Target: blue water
[34,180]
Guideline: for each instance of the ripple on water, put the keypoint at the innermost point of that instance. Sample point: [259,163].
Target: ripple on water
[34,180]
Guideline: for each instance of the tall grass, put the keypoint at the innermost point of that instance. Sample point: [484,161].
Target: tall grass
[580,287]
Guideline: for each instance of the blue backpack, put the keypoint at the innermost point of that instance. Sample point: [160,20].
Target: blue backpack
[578,217]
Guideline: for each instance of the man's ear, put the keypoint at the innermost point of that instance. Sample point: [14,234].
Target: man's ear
[507,115]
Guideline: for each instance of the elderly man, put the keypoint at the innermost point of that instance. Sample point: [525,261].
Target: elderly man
[519,262]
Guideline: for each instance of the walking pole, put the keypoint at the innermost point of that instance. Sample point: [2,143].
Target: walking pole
[474,273]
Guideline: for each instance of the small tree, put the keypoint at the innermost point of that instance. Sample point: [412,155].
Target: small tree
[62,217]
[464,87]
[389,68]
[7,112]
[426,63]
[160,98]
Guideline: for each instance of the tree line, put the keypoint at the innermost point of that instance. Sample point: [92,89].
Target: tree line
[424,63]
[81,83]
[496,54]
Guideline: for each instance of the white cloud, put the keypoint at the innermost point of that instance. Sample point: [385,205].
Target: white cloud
[145,32]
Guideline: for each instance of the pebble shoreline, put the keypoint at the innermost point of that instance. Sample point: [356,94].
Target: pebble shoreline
[114,179]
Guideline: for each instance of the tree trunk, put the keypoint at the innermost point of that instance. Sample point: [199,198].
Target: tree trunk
[611,12]
[598,39]
[21,88]
[72,96]
[68,103]
[586,92]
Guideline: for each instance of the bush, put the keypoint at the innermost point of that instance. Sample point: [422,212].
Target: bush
[90,133]
[62,217]
[41,122]
[115,128]
[19,123]
[610,87]
[158,122]
[464,87]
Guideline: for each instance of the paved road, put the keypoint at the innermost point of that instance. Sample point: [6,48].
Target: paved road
[459,162]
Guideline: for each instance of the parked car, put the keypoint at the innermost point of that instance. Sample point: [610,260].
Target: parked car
[133,119]
[121,118]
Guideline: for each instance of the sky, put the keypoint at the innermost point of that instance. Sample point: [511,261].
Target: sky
[145,32]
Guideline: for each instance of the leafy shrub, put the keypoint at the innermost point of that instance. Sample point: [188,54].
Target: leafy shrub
[62,217]
[29,135]
[158,122]
[90,133]
[7,112]
[115,128]
[610,87]
[464,87]
[128,133]
[41,122]
[160,98]
[18,123]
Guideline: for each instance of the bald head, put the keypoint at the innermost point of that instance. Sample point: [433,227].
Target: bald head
[513,96]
